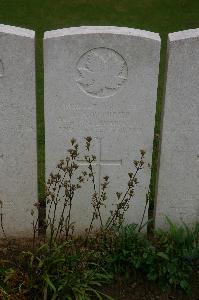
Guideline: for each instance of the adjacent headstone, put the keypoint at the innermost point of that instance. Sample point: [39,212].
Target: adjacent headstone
[18,163]
[102,82]
[178,186]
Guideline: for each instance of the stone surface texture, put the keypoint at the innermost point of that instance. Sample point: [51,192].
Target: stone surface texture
[178,186]
[18,163]
[102,82]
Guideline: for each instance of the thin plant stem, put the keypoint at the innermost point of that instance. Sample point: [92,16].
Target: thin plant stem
[34,233]
[94,187]
[117,210]
[146,203]
[1,220]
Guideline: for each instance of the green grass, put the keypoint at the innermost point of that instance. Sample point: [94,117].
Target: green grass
[161,16]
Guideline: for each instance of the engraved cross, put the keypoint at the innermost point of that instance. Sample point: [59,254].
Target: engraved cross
[100,162]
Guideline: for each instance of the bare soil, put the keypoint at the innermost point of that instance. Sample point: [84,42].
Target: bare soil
[139,288]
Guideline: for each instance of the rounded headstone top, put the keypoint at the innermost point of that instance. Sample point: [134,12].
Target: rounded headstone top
[185,34]
[16,31]
[102,30]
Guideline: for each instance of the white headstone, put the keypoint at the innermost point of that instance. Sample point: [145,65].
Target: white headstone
[102,82]
[178,187]
[18,163]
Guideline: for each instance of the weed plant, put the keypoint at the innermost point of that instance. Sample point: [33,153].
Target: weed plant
[63,185]
[63,265]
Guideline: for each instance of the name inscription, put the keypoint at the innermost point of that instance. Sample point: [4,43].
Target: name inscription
[75,116]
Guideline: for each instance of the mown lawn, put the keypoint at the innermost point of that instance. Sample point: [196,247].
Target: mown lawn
[161,16]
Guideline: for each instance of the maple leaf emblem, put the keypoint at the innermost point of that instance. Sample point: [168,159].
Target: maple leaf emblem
[102,72]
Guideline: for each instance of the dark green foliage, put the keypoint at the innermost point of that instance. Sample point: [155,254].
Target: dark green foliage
[124,252]
[76,269]
[65,272]
[169,259]
[178,249]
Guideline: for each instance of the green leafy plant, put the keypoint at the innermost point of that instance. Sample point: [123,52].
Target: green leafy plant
[65,272]
[177,256]
[169,259]
[128,249]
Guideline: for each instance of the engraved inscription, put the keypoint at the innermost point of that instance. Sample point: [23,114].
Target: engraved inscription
[85,117]
[101,72]
[1,69]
